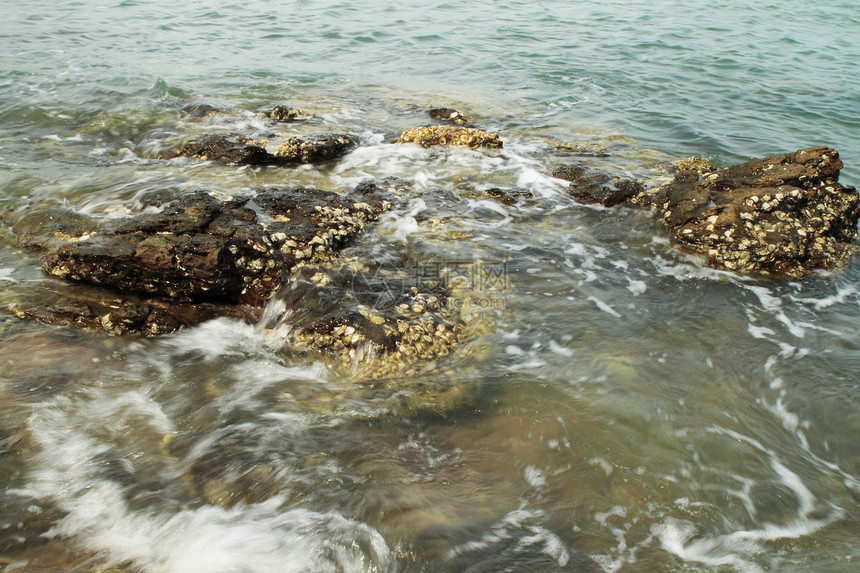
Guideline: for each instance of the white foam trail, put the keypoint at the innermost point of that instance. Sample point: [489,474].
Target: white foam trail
[400,226]
[261,537]
[6,274]
[535,477]
[760,331]
[839,297]
[512,526]
[636,287]
[604,306]
[559,349]
[738,548]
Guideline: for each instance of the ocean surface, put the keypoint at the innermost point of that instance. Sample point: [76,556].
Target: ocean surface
[632,409]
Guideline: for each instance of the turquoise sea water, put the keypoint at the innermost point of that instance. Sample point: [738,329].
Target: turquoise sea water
[641,412]
[726,79]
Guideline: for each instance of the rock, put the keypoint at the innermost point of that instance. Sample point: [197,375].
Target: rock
[508,196]
[126,314]
[40,229]
[697,164]
[200,110]
[225,150]
[450,135]
[447,114]
[242,151]
[315,149]
[200,249]
[596,188]
[283,113]
[782,215]
[582,148]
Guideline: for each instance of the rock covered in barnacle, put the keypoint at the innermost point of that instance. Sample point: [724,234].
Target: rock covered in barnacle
[451,135]
[200,249]
[283,113]
[447,114]
[225,149]
[314,149]
[384,324]
[244,151]
[697,164]
[785,214]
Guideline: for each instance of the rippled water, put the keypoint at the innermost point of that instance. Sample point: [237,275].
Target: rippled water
[630,409]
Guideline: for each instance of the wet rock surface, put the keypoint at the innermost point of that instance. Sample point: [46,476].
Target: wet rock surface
[120,314]
[283,113]
[224,149]
[315,149]
[508,196]
[449,115]
[451,135]
[783,215]
[200,110]
[203,249]
[592,187]
[196,258]
[242,151]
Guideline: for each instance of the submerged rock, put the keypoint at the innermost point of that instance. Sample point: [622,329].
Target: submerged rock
[451,135]
[200,110]
[447,114]
[508,196]
[120,314]
[283,113]
[786,214]
[591,187]
[315,149]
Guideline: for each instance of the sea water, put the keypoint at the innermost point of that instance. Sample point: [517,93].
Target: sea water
[639,411]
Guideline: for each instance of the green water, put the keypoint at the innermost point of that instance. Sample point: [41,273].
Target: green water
[637,411]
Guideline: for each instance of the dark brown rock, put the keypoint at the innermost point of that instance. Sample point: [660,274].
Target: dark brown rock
[223,149]
[200,110]
[242,151]
[40,229]
[200,249]
[783,215]
[125,314]
[448,115]
[283,113]
[508,196]
[591,187]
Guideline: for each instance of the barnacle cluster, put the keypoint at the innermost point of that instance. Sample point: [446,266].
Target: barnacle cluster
[451,135]
[783,215]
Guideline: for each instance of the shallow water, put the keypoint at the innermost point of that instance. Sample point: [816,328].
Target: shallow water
[629,408]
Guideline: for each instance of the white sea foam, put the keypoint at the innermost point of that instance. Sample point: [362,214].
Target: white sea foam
[636,287]
[602,464]
[400,225]
[535,477]
[559,349]
[74,435]
[841,295]
[6,274]
[524,525]
[604,306]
